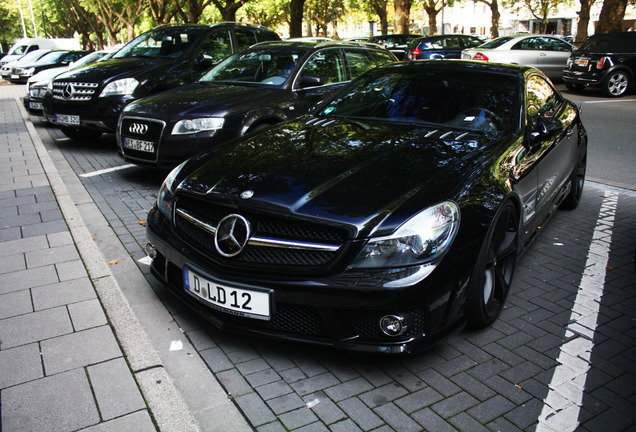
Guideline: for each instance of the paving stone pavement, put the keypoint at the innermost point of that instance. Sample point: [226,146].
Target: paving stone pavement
[494,379]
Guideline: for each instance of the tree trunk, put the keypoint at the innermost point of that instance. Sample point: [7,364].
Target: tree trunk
[296,18]
[612,14]
[432,19]
[494,20]
[584,20]
[402,15]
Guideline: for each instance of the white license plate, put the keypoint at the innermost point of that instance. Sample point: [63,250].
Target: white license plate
[236,301]
[35,105]
[140,145]
[581,62]
[67,119]
[14,76]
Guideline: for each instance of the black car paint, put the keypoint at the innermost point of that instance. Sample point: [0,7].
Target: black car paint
[244,106]
[38,66]
[100,114]
[367,178]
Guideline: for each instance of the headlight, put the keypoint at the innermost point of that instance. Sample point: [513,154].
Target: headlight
[166,193]
[120,87]
[191,126]
[424,238]
[29,71]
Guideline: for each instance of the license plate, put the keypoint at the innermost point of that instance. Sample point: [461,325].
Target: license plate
[140,145]
[236,301]
[35,105]
[581,62]
[67,119]
[13,76]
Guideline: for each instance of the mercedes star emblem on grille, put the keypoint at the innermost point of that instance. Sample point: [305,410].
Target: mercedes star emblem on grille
[232,234]
[247,194]
[138,128]
[68,90]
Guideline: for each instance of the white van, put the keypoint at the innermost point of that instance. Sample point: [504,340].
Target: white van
[23,46]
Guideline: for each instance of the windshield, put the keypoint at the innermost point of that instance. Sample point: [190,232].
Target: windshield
[166,42]
[496,42]
[51,57]
[269,66]
[32,56]
[18,50]
[469,100]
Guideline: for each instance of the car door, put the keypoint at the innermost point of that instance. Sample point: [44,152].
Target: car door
[553,56]
[323,73]
[551,141]
[526,52]
[451,47]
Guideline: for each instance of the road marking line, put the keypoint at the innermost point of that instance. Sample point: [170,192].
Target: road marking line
[107,170]
[610,101]
[562,404]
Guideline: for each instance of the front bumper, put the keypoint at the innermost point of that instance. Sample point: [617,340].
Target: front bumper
[340,311]
[96,113]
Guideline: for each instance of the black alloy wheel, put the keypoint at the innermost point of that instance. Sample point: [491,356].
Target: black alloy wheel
[492,275]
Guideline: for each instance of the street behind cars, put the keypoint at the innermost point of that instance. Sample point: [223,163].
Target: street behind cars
[266,84]
[544,52]
[607,61]
[382,221]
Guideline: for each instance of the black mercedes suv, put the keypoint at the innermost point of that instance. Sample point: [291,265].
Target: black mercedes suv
[605,60]
[86,102]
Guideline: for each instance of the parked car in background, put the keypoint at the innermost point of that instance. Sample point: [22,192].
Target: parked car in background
[5,71]
[269,83]
[26,45]
[86,102]
[37,85]
[545,52]
[21,73]
[605,60]
[396,43]
[448,46]
[382,221]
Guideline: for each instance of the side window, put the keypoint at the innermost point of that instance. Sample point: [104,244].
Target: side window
[359,61]
[244,38]
[264,35]
[216,47]
[327,65]
[450,42]
[527,44]
[541,99]
[472,42]
[383,57]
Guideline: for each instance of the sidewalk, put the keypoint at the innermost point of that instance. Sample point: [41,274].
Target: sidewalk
[73,356]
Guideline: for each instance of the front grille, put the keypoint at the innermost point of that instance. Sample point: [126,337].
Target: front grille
[262,226]
[142,129]
[74,91]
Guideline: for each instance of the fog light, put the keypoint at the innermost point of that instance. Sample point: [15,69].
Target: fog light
[151,250]
[393,325]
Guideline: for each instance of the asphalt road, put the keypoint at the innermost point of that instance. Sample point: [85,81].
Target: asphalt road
[555,358]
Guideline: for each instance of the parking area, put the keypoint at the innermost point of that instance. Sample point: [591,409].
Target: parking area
[561,355]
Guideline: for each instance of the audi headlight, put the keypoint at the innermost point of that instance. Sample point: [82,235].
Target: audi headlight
[166,193]
[121,87]
[424,238]
[191,126]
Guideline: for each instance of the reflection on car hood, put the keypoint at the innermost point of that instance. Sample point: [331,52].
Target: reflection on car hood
[114,69]
[359,173]
[203,99]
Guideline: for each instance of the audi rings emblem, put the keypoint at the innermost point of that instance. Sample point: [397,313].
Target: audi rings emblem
[138,128]
[67,91]
[232,235]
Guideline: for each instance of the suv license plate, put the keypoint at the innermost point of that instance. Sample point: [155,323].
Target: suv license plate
[139,145]
[35,105]
[67,119]
[232,300]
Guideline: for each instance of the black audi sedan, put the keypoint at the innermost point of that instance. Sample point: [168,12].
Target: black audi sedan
[269,83]
[390,216]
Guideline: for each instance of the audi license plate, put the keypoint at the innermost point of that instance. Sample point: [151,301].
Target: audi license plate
[67,119]
[140,145]
[236,301]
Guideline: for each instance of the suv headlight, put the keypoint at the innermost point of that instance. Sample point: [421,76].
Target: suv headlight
[191,126]
[166,193]
[29,71]
[121,87]
[424,238]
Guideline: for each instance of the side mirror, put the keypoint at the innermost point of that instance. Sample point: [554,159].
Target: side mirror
[544,129]
[310,81]
[203,62]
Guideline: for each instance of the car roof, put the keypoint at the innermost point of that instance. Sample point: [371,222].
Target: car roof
[319,44]
[477,66]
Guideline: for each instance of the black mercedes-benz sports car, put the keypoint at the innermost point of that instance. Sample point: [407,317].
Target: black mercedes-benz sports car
[387,218]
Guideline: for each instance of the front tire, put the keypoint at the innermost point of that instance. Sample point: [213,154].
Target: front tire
[577,179]
[616,84]
[492,275]
[80,134]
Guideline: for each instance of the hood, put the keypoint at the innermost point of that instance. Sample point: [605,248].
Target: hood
[203,99]
[373,176]
[47,74]
[112,69]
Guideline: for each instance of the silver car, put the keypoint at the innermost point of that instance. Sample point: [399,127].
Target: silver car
[545,52]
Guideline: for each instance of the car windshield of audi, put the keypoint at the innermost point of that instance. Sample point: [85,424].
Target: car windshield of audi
[267,84]
[388,217]
[86,102]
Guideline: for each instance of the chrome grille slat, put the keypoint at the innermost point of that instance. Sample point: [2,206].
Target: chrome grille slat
[81,91]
